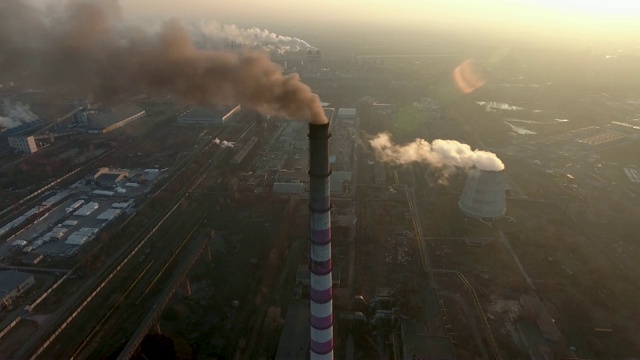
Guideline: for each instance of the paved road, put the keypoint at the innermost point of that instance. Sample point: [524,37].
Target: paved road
[506,243]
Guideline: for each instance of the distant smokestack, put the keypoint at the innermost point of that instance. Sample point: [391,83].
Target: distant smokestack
[483,196]
[320,266]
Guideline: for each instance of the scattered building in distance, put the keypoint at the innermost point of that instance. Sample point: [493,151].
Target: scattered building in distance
[100,122]
[204,116]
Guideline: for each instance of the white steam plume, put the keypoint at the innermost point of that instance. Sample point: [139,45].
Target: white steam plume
[445,154]
[253,38]
[15,114]
[223,143]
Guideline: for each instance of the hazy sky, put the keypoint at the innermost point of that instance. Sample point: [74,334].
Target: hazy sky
[605,17]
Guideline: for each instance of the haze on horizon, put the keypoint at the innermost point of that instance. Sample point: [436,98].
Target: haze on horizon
[541,21]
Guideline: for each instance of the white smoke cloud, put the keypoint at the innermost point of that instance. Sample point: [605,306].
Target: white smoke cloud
[15,114]
[445,154]
[253,38]
[223,143]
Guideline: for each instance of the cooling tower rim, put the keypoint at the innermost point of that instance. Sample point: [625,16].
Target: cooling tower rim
[476,216]
[476,169]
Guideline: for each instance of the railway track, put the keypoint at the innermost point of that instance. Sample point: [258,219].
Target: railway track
[145,235]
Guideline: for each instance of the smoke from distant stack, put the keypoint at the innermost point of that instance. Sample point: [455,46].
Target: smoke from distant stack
[218,34]
[444,154]
[85,46]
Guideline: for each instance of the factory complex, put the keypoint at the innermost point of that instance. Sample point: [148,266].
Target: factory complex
[417,222]
[69,218]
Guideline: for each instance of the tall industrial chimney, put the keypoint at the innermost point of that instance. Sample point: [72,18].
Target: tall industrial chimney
[483,196]
[320,266]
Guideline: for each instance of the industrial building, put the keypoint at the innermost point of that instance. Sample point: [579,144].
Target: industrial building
[109,177]
[348,114]
[484,196]
[12,284]
[101,122]
[204,116]
[23,144]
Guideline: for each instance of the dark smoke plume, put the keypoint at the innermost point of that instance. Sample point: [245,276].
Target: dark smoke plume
[85,46]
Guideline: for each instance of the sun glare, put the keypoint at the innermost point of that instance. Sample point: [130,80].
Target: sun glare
[592,8]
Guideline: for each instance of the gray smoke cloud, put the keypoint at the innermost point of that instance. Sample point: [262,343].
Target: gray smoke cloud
[15,113]
[86,46]
[253,38]
[445,154]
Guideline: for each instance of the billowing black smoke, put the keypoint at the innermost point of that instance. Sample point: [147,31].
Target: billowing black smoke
[84,45]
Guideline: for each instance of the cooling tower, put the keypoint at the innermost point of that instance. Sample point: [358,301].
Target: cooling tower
[483,196]
[321,293]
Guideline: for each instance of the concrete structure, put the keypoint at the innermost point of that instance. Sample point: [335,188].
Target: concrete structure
[12,284]
[116,117]
[483,196]
[203,116]
[23,144]
[320,265]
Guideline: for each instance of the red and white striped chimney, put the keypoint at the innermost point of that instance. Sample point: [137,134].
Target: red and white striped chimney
[320,266]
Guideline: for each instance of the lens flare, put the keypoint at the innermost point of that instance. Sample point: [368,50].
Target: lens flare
[466,79]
